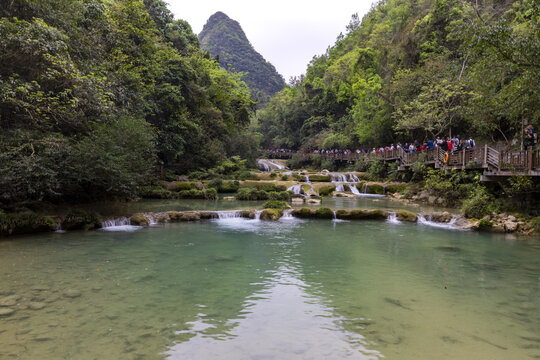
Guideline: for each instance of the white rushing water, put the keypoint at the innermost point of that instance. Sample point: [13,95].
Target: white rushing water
[296,189]
[340,180]
[392,218]
[428,222]
[119,224]
[269,165]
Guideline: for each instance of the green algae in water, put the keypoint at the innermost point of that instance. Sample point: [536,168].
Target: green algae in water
[293,289]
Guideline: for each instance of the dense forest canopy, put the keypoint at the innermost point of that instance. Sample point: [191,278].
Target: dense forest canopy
[225,40]
[412,69]
[98,96]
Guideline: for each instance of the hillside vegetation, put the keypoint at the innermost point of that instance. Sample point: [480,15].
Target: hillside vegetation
[225,40]
[97,97]
[415,69]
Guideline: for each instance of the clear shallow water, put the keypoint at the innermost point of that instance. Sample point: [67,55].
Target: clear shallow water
[246,289]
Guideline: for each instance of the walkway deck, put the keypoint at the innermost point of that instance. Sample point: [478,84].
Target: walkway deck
[494,163]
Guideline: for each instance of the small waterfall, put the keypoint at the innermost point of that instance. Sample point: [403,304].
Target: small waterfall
[296,189]
[392,218]
[366,188]
[287,215]
[257,214]
[336,220]
[307,179]
[58,228]
[354,189]
[354,178]
[229,214]
[339,187]
[119,224]
[151,219]
[115,222]
[263,166]
[428,222]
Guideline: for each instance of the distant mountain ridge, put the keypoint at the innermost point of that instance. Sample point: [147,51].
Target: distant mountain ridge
[224,38]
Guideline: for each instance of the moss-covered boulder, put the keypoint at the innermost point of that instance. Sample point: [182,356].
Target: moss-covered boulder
[139,220]
[271,214]
[77,219]
[303,213]
[25,223]
[405,215]
[392,188]
[361,214]
[320,178]
[325,189]
[324,213]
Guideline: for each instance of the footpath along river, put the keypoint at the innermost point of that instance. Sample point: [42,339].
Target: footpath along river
[236,288]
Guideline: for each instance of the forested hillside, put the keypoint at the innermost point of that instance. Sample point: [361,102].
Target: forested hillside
[98,97]
[414,69]
[225,40]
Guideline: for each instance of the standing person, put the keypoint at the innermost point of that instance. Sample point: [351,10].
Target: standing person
[430,144]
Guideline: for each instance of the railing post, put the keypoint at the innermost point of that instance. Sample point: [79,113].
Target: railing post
[530,159]
[463,160]
[485,156]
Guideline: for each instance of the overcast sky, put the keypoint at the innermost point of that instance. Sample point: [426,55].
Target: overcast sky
[288,33]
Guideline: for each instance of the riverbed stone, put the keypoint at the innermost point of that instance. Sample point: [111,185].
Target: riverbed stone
[510,226]
[313,201]
[36,305]
[9,300]
[404,215]
[297,200]
[6,311]
[72,293]
[229,198]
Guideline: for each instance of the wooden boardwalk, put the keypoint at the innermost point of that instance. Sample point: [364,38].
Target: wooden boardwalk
[494,163]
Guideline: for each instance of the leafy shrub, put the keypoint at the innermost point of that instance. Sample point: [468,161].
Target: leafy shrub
[183,185]
[377,169]
[362,164]
[279,195]
[480,204]
[273,174]
[208,194]
[324,213]
[157,192]
[229,186]
[284,177]
[535,224]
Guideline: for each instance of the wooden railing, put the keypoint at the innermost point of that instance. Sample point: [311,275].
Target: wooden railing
[494,161]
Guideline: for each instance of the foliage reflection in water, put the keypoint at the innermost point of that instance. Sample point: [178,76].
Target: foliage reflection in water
[238,288]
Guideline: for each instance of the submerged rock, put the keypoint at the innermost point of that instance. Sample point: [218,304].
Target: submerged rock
[6,311]
[72,293]
[9,300]
[36,305]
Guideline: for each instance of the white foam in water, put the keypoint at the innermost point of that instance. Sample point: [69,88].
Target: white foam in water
[258,215]
[121,224]
[336,220]
[449,225]
[392,218]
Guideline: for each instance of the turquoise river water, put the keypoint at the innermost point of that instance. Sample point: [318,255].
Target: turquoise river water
[247,289]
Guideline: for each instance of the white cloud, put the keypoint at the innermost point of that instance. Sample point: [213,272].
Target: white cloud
[288,33]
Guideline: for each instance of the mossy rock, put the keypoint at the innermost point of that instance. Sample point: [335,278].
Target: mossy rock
[324,213]
[139,220]
[484,224]
[25,223]
[304,213]
[78,219]
[375,214]
[183,185]
[262,185]
[392,188]
[326,190]
[374,188]
[271,214]
[320,178]
[405,215]
[343,214]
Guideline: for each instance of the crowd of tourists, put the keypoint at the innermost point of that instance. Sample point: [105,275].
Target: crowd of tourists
[449,145]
